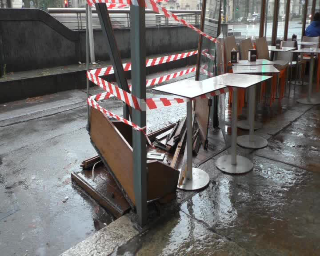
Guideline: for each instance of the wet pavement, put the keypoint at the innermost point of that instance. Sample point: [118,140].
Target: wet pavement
[42,141]
[272,210]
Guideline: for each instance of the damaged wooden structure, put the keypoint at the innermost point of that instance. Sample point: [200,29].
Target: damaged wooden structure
[120,178]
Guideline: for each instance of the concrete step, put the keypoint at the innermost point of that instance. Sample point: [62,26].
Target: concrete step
[28,84]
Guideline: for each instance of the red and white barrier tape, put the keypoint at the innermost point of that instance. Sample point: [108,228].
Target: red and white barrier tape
[150,4]
[117,6]
[140,104]
[161,79]
[149,63]
[92,103]
[208,55]
[131,100]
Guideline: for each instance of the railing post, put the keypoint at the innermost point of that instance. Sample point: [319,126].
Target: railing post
[138,73]
[91,41]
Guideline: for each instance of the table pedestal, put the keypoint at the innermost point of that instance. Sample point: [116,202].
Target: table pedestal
[195,178]
[234,164]
[309,100]
[244,125]
[251,140]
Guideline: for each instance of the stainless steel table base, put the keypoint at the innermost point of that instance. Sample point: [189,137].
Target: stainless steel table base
[255,142]
[244,125]
[311,101]
[242,166]
[234,164]
[195,178]
[200,179]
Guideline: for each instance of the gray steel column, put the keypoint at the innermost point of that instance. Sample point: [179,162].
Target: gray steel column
[304,18]
[91,40]
[286,24]
[138,59]
[113,52]
[189,140]
[87,63]
[234,127]
[262,17]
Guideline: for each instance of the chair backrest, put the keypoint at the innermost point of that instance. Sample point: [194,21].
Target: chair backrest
[289,43]
[262,48]
[310,39]
[245,46]
[229,44]
[288,56]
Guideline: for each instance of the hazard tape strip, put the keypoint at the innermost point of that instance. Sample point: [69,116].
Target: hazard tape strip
[140,104]
[131,100]
[149,63]
[118,6]
[92,103]
[150,4]
[162,79]
[208,55]
[115,90]
[151,103]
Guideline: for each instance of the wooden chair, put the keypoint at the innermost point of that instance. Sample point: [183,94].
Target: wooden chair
[306,57]
[262,48]
[229,45]
[263,53]
[245,46]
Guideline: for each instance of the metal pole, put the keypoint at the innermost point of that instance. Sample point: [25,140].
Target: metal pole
[87,63]
[91,41]
[113,52]
[138,57]
[304,18]
[252,105]
[310,77]
[275,22]
[262,17]
[286,24]
[234,127]
[203,13]
[189,140]
[313,8]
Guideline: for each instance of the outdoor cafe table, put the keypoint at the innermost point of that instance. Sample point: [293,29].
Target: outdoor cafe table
[233,163]
[196,178]
[190,89]
[272,48]
[253,141]
[259,62]
[243,124]
[312,51]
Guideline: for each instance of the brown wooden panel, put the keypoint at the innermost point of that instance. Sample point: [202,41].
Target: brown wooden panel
[103,189]
[162,180]
[125,130]
[115,150]
[202,113]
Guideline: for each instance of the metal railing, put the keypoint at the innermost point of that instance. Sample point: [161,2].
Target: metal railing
[75,18]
